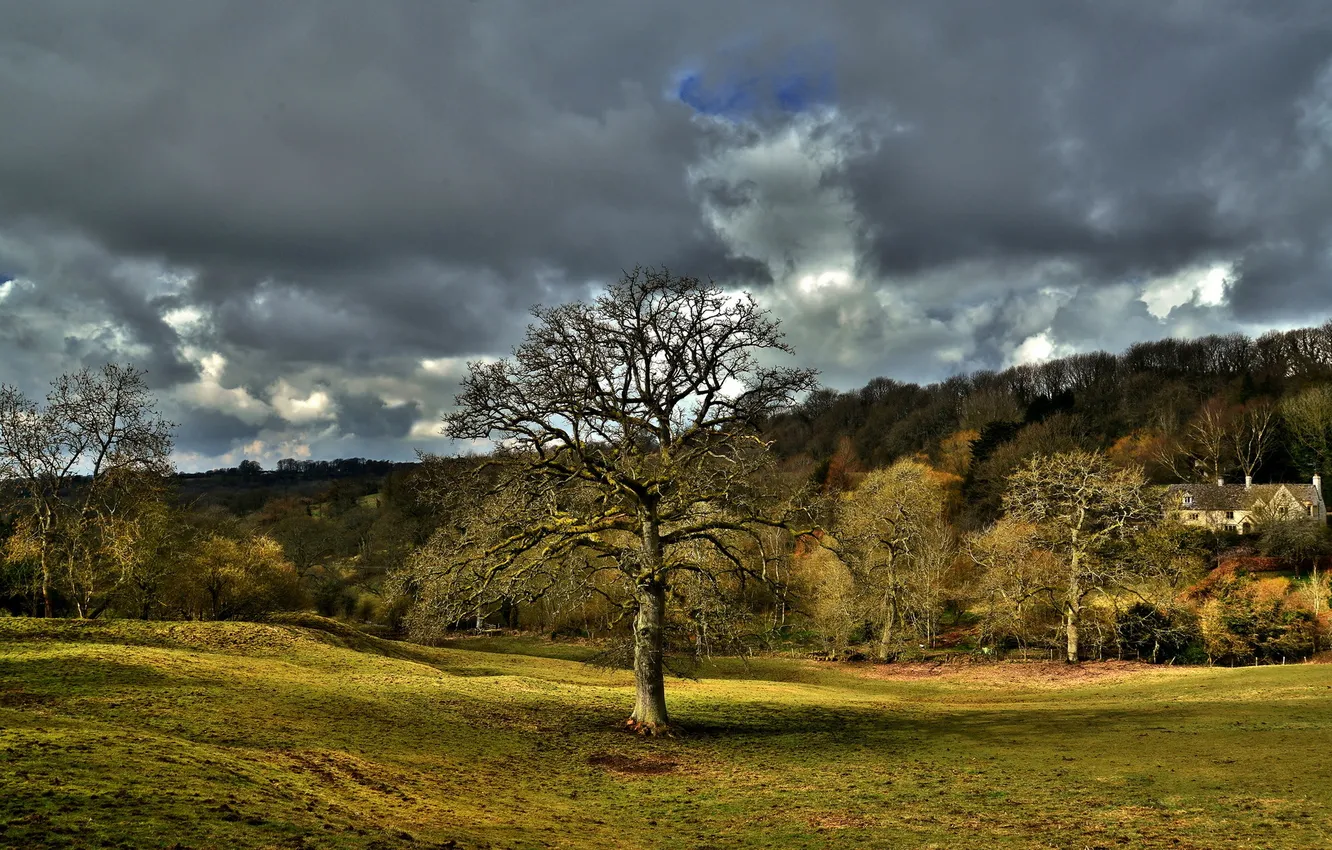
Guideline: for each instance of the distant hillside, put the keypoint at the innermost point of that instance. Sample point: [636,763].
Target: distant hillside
[980,425]
[248,487]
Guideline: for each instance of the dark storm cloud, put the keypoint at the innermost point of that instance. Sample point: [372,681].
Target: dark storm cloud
[1288,275]
[211,433]
[368,417]
[322,195]
[1127,137]
[316,136]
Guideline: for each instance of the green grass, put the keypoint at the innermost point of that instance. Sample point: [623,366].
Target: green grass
[304,733]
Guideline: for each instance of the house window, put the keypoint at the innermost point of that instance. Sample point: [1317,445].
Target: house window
[1188,500]
[1281,511]
[1230,514]
[1190,514]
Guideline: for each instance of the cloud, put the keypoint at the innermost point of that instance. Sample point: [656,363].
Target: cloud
[305,218]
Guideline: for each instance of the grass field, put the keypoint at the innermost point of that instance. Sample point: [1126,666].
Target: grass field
[201,735]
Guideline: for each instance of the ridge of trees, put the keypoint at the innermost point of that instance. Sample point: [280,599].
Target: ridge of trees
[292,468]
[1194,409]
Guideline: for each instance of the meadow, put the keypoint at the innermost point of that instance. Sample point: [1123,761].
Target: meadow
[305,733]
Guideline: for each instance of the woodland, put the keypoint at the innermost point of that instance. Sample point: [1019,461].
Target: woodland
[666,495]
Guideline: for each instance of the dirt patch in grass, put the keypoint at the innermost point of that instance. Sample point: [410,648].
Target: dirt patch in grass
[631,766]
[1053,674]
[334,767]
[19,698]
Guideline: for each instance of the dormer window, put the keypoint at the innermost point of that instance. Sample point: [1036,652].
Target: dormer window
[1188,500]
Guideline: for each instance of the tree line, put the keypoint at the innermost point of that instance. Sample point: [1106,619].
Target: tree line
[94,522]
[1214,407]
[663,484]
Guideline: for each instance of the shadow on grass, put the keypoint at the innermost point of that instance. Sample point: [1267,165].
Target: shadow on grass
[83,675]
[1201,726]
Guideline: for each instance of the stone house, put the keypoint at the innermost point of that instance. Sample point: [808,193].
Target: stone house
[1240,507]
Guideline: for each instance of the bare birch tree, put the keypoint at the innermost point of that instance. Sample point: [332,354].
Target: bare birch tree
[1211,434]
[1255,429]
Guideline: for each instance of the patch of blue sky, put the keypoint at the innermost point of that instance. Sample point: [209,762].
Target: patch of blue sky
[726,99]
[802,92]
[741,88]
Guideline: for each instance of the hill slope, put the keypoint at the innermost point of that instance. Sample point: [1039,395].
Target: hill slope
[282,735]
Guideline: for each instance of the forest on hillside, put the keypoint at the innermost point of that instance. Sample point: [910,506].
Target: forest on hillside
[1196,409]
[925,522]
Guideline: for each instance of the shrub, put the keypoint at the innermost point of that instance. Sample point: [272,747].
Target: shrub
[1151,633]
[368,608]
[1257,621]
[1296,542]
[332,597]
[229,578]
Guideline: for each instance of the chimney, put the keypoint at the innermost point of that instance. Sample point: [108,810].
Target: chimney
[1248,481]
[1318,482]
[1220,482]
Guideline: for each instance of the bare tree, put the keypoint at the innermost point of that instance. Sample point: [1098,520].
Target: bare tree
[894,538]
[1219,437]
[1080,506]
[1210,434]
[1315,590]
[630,456]
[65,459]
[1255,428]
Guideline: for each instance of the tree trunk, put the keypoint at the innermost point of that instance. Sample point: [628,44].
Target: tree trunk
[46,585]
[649,717]
[890,613]
[886,639]
[1071,627]
[44,523]
[82,600]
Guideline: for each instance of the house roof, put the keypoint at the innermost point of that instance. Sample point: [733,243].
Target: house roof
[1237,497]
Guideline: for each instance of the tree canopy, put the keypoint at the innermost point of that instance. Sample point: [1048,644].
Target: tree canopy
[630,456]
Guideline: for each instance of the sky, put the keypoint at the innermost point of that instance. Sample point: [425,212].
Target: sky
[303,219]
